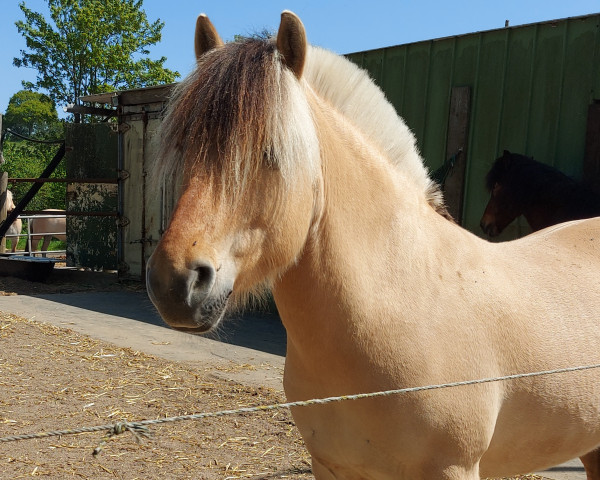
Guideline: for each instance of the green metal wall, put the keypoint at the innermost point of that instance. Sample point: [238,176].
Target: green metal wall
[531,87]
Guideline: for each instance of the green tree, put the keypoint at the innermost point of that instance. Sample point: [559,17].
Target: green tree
[91,46]
[32,114]
[28,160]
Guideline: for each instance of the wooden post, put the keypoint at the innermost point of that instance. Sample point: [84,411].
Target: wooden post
[3,206]
[457,141]
[591,159]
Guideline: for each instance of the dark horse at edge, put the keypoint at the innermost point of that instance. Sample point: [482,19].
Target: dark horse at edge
[545,196]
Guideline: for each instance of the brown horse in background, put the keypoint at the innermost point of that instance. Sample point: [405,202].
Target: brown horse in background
[291,179]
[545,196]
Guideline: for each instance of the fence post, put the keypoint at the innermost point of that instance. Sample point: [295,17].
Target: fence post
[3,206]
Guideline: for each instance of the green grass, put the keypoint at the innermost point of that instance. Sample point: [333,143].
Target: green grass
[54,244]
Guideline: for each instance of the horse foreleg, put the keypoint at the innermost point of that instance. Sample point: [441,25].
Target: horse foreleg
[321,472]
[422,472]
[591,463]
[46,244]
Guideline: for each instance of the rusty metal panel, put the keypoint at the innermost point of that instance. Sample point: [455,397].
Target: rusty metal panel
[92,240]
[458,137]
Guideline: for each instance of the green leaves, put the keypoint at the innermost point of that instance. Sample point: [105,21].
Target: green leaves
[32,114]
[91,46]
[28,160]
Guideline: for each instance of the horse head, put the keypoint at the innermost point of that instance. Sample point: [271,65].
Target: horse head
[242,131]
[503,206]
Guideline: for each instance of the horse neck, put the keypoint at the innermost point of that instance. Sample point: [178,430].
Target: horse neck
[547,207]
[539,216]
[371,237]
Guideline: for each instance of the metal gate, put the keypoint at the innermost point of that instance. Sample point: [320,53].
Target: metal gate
[92,195]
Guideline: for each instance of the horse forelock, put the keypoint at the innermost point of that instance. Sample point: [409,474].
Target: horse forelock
[239,111]
[242,109]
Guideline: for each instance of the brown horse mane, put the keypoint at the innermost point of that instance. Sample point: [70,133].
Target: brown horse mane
[533,182]
[236,104]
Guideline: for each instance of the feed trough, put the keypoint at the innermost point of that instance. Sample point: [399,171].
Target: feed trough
[36,269]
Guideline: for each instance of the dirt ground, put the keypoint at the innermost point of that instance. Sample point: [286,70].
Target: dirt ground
[55,379]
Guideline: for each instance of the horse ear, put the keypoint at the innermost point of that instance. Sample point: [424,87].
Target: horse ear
[291,42]
[206,37]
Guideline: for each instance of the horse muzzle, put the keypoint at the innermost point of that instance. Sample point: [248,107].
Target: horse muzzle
[489,228]
[191,299]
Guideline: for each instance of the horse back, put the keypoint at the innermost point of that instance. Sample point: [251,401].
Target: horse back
[576,237]
[565,257]
[49,226]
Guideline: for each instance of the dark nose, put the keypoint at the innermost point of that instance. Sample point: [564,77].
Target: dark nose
[179,288]
[488,228]
[483,226]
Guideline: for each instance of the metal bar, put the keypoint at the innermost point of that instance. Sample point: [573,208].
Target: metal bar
[102,112]
[63,180]
[71,213]
[34,253]
[4,206]
[34,140]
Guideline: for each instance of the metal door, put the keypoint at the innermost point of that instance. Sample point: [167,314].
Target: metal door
[92,196]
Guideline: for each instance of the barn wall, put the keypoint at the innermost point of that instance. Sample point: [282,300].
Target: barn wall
[142,208]
[531,88]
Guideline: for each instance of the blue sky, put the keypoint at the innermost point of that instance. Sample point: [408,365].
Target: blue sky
[342,26]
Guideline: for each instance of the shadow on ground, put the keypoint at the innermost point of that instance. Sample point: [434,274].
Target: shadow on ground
[107,294]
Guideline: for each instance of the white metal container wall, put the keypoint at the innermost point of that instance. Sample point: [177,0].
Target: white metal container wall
[144,211]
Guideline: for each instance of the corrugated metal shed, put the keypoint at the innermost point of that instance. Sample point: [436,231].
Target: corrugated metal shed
[531,88]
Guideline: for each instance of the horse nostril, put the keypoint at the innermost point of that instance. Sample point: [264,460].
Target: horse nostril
[205,277]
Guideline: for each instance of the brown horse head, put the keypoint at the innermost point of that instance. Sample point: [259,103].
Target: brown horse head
[505,203]
[244,136]
[545,196]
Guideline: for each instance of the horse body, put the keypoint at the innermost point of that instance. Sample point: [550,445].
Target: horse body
[519,185]
[47,227]
[376,289]
[341,341]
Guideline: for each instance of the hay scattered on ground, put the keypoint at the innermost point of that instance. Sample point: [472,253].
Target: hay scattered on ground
[52,378]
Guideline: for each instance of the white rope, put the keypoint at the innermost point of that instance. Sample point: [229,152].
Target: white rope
[140,428]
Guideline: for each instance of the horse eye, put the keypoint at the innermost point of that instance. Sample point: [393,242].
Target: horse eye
[496,189]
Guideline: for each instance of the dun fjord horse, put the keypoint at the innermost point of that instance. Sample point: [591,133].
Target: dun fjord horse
[293,180]
[14,230]
[519,185]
